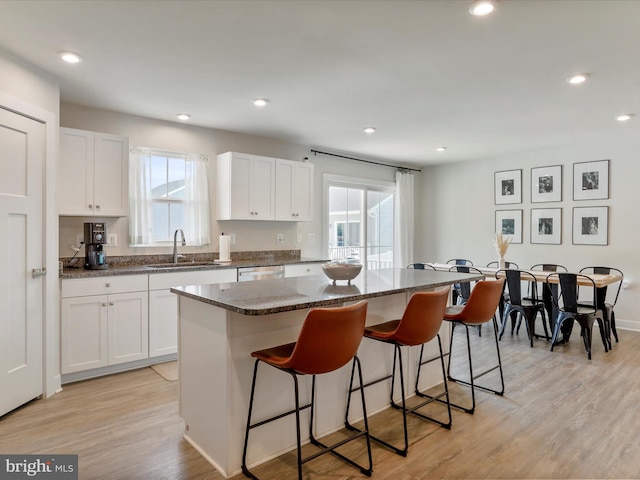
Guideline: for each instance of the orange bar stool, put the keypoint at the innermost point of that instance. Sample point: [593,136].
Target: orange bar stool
[479,309]
[328,340]
[420,323]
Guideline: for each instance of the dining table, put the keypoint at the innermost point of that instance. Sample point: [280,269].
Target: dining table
[601,281]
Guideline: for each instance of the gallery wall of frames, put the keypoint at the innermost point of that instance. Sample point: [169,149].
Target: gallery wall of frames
[589,220]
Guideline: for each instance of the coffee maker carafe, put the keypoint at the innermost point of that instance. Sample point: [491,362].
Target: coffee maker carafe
[95,236]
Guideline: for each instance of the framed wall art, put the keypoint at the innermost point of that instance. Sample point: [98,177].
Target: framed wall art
[546,184]
[509,224]
[591,180]
[546,225]
[590,225]
[508,187]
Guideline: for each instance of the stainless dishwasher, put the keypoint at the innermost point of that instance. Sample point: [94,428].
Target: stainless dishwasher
[246,274]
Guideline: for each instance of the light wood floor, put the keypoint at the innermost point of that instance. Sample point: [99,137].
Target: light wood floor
[562,416]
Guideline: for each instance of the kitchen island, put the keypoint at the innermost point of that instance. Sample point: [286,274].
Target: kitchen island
[221,324]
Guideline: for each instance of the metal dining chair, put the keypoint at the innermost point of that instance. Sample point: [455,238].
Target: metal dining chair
[607,307]
[517,304]
[570,309]
[421,266]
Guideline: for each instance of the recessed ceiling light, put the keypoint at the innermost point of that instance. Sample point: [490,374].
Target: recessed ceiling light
[480,8]
[183,116]
[441,149]
[578,78]
[624,117]
[260,102]
[70,57]
[369,130]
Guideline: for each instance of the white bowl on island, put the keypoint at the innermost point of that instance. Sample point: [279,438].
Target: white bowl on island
[341,271]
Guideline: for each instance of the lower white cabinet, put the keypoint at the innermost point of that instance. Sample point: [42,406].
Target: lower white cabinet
[163,305]
[104,321]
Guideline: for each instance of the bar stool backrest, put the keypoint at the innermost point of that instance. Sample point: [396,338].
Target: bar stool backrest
[329,339]
[483,302]
[422,317]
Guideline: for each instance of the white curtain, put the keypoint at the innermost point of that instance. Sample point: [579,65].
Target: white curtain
[404,228]
[140,220]
[196,197]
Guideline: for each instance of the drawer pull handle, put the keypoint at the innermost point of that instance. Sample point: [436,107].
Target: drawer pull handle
[108,285]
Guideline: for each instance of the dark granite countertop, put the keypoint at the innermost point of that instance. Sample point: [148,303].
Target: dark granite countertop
[265,297]
[155,266]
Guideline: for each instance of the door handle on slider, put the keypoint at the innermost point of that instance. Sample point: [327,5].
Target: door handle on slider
[38,272]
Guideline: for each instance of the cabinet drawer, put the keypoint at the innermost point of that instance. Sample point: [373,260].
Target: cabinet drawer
[302,269]
[160,281]
[79,287]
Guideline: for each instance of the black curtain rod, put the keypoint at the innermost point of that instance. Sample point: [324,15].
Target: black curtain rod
[365,161]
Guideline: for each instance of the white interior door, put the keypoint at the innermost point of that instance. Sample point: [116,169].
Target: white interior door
[22,155]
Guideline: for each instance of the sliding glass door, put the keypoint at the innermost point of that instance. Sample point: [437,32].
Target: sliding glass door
[360,223]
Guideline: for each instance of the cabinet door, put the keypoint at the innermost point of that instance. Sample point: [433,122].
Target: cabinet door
[302,192]
[111,173]
[294,190]
[128,327]
[83,333]
[240,187]
[261,187]
[75,172]
[163,322]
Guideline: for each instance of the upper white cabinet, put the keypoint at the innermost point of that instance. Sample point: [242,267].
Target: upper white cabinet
[246,186]
[93,174]
[251,187]
[294,191]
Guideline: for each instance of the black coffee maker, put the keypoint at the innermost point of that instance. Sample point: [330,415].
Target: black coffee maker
[95,236]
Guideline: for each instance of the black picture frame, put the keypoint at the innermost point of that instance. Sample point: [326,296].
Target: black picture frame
[591,225]
[509,223]
[508,187]
[546,226]
[546,184]
[591,180]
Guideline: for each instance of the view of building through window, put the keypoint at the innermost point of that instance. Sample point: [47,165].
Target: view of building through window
[167,175]
[361,225]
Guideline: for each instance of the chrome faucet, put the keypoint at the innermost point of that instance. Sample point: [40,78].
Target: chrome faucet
[175,244]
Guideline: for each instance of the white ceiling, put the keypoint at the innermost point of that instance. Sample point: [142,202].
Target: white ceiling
[424,73]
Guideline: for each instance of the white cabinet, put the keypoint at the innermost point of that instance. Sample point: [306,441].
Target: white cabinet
[294,190]
[104,321]
[93,174]
[245,187]
[302,269]
[163,305]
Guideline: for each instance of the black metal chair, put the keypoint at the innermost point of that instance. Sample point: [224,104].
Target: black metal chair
[516,304]
[460,261]
[547,293]
[461,291]
[421,266]
[569,309]
[496,264]
[607,307]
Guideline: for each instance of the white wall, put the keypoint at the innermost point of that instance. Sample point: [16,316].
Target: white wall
[459,213]
[250,235]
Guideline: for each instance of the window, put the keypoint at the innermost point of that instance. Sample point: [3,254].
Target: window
[169,190]
[360,221]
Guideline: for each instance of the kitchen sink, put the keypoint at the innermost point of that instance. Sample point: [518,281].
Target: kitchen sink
[183,265]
